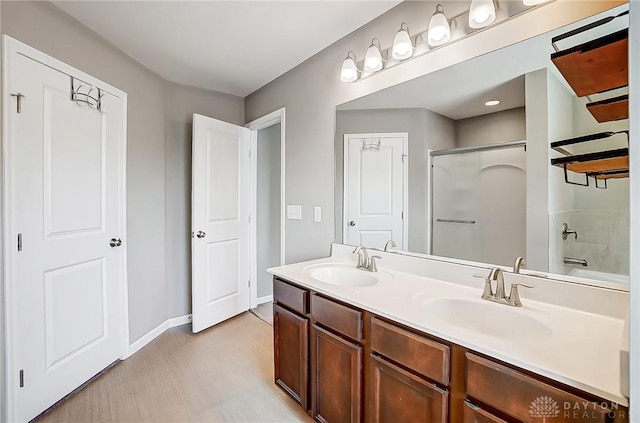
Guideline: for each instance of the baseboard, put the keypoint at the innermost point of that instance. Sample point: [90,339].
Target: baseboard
[179,321]
[147,337]
[265,299]
[157,331]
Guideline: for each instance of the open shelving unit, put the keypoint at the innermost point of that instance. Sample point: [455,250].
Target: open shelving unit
[595,67]
[601,165]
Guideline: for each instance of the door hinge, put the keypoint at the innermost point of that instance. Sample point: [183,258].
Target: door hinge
[20,242]
[21,378]
[249,283]
[402,215]
[403,157]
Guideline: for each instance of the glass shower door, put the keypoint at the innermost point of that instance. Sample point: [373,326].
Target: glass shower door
[478,203]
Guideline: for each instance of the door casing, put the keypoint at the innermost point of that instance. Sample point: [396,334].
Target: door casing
[277,116]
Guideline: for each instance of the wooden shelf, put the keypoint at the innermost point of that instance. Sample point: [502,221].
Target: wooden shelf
[596,66]
[611,109]
[601,165]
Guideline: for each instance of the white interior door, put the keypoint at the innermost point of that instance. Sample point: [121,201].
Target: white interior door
[220,221]
[65,167]
[375,184]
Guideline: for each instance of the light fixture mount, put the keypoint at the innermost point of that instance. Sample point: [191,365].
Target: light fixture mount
[492,103]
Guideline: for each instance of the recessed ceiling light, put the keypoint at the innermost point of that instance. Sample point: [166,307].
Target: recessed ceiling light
[492,103]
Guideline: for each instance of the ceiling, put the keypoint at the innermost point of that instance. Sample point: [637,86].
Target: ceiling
[229,46]
[460,91]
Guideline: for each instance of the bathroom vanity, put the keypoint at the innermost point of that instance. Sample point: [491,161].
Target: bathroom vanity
[398,345]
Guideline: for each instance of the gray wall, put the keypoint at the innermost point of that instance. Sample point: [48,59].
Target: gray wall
[268,214]
[504,126]
[43,26]
[427,131]
[182,102]
[311,91]
[158,154]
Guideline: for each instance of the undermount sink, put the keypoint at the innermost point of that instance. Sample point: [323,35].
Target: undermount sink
[487,318]
[344,275]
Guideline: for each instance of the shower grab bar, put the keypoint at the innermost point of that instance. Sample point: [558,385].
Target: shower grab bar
[470,222]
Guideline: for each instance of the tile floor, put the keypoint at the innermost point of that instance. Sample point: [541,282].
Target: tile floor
[223,374]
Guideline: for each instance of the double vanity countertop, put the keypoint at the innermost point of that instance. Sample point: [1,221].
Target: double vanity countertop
[575,346]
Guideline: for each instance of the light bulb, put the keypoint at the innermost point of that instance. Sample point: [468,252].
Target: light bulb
[349,70]
[373,58]
[402,46]
[439,30]
[481,13]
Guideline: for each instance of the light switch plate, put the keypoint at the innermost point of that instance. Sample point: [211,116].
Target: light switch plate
[294,212]
[317,214]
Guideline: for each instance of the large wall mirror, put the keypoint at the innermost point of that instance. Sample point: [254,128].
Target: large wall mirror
[458,163]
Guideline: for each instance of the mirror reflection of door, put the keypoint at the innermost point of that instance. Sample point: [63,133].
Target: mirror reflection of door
[479,204]
[375,182]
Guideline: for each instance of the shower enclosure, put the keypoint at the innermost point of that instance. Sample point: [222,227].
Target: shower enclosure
[478,203]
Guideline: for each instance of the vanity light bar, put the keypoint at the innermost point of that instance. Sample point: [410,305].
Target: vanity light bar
[441,31]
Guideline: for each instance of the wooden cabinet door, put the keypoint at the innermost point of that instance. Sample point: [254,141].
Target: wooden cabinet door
[336,380]
[395,395]
[291,353]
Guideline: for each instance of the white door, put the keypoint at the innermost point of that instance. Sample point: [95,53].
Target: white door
[65,202]
[220,221]
[374,189]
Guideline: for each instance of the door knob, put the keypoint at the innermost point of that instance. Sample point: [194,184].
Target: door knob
[115,242]
[201,234]
[352,223]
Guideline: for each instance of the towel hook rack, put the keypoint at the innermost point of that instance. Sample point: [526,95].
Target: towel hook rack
[85,98]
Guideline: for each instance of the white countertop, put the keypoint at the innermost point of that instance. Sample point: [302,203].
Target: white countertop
[579,348]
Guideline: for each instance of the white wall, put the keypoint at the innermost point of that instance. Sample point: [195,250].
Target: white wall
[427,130]
[268,213]
[504,126]
[182,102]
[311,91]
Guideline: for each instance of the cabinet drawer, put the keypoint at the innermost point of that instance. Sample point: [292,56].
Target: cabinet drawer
[295,298]
[474,414]
[418,353]
[342,319]
[525,398]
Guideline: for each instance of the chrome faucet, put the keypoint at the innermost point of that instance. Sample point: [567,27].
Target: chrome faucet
[499,296]
[363,257]
[364,261]
[389,245]
[496,275]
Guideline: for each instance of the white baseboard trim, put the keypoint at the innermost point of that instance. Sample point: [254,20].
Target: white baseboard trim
[265,299]
[157,331]
[147,337]
[179,321]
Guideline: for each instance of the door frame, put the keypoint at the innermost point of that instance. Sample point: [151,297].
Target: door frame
[10,48]
[273,118]
[405,181]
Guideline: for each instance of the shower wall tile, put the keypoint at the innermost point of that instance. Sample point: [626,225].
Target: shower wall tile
[603,240]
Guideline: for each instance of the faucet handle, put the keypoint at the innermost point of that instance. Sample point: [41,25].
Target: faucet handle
[514,295]
[372,263]
[488,291]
